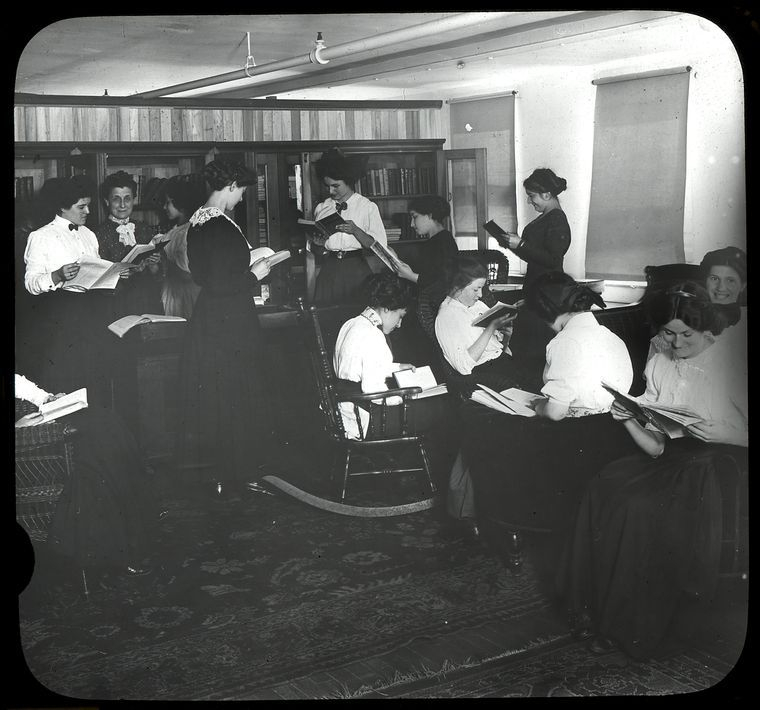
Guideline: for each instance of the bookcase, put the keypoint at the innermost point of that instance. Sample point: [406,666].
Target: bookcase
[287,187]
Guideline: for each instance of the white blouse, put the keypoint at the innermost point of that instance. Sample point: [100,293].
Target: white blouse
[176,249]
[362,355]
[578,358]
[26,389]
[363,213]
[455,334]
[50,247]
[713,384]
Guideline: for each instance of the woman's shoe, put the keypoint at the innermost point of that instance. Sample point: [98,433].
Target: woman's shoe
[601,644]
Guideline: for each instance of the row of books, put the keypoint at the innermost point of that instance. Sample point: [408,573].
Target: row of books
[398,181]
[23,188]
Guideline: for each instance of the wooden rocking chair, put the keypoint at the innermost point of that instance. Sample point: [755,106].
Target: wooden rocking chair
[376,447]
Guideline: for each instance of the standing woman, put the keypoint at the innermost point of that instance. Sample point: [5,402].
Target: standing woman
[140,291]
[222,374]
[345,268]
[181,199]
[543,246]
[70,334]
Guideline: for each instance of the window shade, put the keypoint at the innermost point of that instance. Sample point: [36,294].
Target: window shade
[639,174]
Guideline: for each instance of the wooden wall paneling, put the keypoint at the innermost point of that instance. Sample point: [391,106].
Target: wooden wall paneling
[266,123]
[165,124]
[21,124]
[376,129]
[313,133]
[228,126]
[154,124]
[41,121]
[305,120]
[349,115]
[258,126]
[324,127]
[295,125]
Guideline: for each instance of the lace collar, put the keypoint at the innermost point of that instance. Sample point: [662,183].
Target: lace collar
[371,315]
[204,214]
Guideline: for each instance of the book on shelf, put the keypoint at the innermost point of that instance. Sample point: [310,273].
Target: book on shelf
[496,311]
[669,420]
[96,274]
[272,257]
[498,233]
[125,324]
[56,408]
[420,377]
[327,226]
[510,401]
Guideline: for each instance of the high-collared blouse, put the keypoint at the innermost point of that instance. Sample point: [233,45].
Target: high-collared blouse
[363,213]
[581,356]
[362,355]
[455,334]
[114,246]
[50,247]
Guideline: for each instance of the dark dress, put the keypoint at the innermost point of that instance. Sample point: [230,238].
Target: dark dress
[649,530]
[107,512]
[141,292]
[545,242]
[224,423]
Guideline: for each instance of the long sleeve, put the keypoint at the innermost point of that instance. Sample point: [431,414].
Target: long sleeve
[27,390]
[437,254]
[546,241]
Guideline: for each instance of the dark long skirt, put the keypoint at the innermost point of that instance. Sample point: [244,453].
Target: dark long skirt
[107,512]
[532,472]
[342,280]
[64,343]
[225,412]
[646,532]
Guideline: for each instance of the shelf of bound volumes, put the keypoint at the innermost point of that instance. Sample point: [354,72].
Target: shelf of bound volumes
[391,182]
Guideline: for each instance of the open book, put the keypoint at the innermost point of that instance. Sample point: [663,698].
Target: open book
[125,324]
[326,226]
[420,377]
[509,401]
[666,419]
[499,234]
[143,251]
[500,309]
[272,256]
[385,255]
[56,408]
[96,274]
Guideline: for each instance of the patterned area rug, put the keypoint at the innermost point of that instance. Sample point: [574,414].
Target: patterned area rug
[255,591]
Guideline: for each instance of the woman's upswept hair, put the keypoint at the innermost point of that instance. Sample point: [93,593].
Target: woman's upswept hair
[554,293]
[118,179]
[339,166]
[688,302]
[221,173]
[464,271]
[433,205]
[387,290]
[544,180]
[58,194]
[184,192]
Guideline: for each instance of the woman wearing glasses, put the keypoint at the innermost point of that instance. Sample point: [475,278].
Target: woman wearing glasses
[648,531]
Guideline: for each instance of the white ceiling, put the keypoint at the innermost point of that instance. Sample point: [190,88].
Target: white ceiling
[128,55]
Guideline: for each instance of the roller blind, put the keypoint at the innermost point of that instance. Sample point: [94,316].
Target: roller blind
[639,174]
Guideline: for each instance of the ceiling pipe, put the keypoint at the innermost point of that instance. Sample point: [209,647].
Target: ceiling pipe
[322,55]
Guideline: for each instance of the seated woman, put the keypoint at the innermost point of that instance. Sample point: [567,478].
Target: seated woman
[481,355]
[648,529]
[363,356]
[181,199]
[725,278]
[106,516]
[538,480]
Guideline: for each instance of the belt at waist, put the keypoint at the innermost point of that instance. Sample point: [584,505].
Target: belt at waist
[344,254]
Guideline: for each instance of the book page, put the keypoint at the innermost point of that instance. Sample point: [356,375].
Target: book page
[486,399]
[512,406]
[278,257]
[90,270]
[496,311]
[420,377]
[385,256]
[260,253]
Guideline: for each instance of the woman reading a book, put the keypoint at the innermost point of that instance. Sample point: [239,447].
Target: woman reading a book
[543,245]
[182,197]
[224,426]
[648,530]
[480,354]
[140,289]
[363,357]
[106,516]
[68,340]
[345,266]
[538,478]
